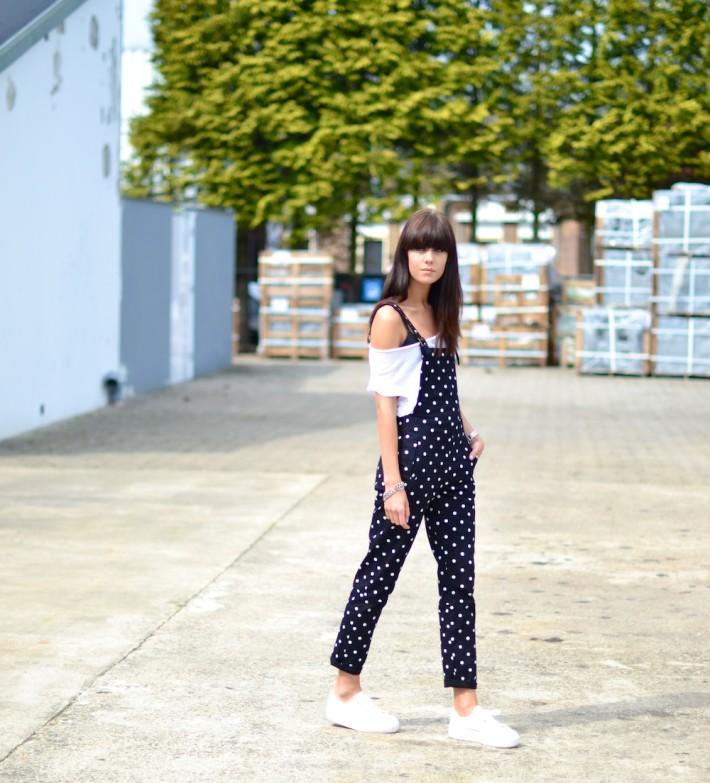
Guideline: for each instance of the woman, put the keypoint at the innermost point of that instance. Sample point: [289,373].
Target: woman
[428,451]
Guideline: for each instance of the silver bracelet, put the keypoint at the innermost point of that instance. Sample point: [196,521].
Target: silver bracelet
[389,492]
[473,434]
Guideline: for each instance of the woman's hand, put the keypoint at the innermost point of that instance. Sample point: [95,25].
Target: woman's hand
[477,446]
[397,509]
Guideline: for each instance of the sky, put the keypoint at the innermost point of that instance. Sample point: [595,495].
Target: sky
[136,70]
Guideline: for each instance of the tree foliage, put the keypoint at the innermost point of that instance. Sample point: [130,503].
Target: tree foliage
[636,114]
[304,112]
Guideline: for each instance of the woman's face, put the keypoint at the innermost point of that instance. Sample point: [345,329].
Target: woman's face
[427,266]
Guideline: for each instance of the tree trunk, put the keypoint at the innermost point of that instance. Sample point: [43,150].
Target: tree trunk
[588,222]
[354,218]
[474,199]
[537,175]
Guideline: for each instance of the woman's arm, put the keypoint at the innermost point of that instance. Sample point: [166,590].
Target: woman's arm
[386,408]
[388,331]
[477,443]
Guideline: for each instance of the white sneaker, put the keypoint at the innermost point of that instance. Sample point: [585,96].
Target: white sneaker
[480,725]
[360,713]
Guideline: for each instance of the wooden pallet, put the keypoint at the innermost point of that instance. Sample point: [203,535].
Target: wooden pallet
[288,296]
[296,264]
[296,293]
[700,372]
[505,346]
[470,275]
[348,335]
[532,288]
[643,356]
[577,290]
[295,333]
[563,334]
[603,287]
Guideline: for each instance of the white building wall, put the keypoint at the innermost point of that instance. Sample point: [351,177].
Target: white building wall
[60,220]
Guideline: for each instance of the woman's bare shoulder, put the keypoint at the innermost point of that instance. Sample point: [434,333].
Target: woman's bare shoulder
[388,329]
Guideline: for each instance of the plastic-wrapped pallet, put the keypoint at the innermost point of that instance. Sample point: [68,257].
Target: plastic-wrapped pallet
[565,318]
[613,341]
[577,290]
[683,285]
[506,258]
[623,259]
[683,217]
[486,344]
[682,250]
[296,291]
[469,257]
[626,223]
[681,346]
[530,262]
[349,325]
[625,277]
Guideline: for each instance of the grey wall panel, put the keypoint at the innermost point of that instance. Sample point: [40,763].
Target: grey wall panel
[214,290]
[145,295]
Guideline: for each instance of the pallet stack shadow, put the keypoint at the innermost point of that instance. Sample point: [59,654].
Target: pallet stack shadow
[506,315]
[613,335]
[296,292]
[652,274]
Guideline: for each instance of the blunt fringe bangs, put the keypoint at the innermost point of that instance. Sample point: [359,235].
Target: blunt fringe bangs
[429,228]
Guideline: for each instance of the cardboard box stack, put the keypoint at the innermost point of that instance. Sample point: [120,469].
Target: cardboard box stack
[507,313]
[680,334]
[296,292]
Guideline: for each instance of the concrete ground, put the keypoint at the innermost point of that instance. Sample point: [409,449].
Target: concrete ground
[175,568]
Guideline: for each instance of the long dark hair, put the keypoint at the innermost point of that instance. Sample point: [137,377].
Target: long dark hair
[428,228]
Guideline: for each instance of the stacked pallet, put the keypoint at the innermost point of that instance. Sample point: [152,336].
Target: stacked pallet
[613,336]
[577,294]
[680,335]
[349,327]
[296,292]
[506,318]
[652,270]
[623,262]
[469,257]
[613,341]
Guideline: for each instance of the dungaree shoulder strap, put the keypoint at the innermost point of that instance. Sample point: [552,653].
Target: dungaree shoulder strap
[408,324]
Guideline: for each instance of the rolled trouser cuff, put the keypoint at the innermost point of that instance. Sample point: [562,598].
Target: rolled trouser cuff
[450,682]
[346,667]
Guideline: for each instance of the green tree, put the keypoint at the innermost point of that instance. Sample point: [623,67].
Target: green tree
[637,116]
[296,113]
[470,122]
[538,43]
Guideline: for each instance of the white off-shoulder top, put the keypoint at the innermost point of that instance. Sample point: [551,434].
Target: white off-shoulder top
[395,372]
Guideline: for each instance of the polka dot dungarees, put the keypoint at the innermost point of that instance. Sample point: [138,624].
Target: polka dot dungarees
[433,459]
